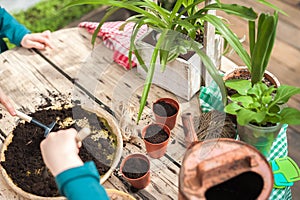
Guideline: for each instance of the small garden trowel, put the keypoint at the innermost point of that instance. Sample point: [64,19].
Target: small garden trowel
[36,122]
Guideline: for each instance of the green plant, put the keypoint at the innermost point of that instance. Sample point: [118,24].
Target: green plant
[260,105]
[262,33]
[261,43]
[187,17]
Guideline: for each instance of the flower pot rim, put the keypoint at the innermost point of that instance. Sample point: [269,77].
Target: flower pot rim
[174,103]
[262,127]
[139,156]
[164,126]
[267,75]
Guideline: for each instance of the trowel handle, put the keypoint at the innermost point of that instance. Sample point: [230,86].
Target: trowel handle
[82,134]
[23,116]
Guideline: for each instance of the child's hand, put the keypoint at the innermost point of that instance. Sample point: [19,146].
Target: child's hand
[6,103]
[37,40]
[60,151]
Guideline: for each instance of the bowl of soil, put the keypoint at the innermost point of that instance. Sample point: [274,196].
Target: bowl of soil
[156,137]
[22,166]
[135,168]
[118,195]
[165,111]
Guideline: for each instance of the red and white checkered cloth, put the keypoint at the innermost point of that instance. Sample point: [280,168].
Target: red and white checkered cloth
[117,40]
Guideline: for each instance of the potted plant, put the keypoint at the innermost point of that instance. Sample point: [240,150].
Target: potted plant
[156,137]
[165,111]
[186,18]
[260,111]
[257,102]
[135,168]
[262,34]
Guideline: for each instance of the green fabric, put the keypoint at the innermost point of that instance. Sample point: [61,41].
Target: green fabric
[210,98]
[10,28]
[81,183]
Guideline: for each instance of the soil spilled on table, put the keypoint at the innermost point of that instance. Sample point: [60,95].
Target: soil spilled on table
[23,160]
[156,134]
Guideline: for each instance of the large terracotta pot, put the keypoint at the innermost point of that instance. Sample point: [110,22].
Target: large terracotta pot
[224,169]
[116,157]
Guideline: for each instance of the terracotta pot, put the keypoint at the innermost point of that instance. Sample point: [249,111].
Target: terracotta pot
[224,169]
[140,182]
[261,138]
[156,150]
[171,120]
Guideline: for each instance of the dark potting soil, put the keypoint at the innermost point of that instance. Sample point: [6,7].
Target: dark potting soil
[164,109]
[246,186]
[135,168]
[156,134]
[23,160]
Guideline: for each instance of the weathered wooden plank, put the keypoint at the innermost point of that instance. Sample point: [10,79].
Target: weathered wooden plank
[293,3]
[22,77]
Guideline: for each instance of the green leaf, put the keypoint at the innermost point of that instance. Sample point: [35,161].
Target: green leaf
[233,9]
[231,38]
[274,110]
[290,116]
[244,100]
[245,116]
[212,70]
[258,90]
[241,86]
[271,44]
[149,76]
[272,6]
[251,26]
[232,108]
[283,94]
[261,49]
[110,12]
[266,99]
[136,6]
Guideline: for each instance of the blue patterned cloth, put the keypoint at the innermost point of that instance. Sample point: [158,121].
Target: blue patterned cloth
[210,98]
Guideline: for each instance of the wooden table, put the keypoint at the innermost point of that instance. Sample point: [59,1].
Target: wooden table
[74,67]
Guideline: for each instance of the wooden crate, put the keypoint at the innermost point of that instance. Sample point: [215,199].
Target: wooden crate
[184,77]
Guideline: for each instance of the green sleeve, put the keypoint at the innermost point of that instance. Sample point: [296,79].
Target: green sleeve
[81,183]
[10,28]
